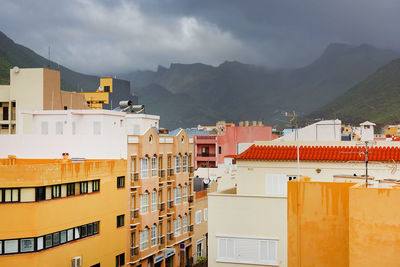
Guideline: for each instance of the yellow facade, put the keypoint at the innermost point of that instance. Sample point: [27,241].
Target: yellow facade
[342,224]
[43,215]
[391,130]
[95,100]
[107,84]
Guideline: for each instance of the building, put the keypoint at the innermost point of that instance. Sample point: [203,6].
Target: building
[33,89]
[205,150]
[161,198]
[263,171]
[52,214]
[343,223]
[109,93]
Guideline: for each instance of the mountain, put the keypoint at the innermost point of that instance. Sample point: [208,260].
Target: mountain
[376,99]
[12,54]
[234,91]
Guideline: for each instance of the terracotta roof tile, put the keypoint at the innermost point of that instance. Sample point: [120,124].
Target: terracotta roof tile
[319,153]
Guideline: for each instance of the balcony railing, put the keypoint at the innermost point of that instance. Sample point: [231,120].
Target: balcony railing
[134,251]
[161,173]
[191,198]
[170,236]
[191,228]
[191,169]
[134,177]
[170,204]
[170,172]
[161,206]
[135,214]
[205,137]
[162,240]
[205,155]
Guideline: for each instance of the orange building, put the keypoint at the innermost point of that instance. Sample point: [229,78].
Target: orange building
[343,224]
[161,220]
[63,213]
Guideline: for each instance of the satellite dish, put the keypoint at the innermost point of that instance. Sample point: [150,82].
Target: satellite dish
[101,89]
[16,69]
[206,180]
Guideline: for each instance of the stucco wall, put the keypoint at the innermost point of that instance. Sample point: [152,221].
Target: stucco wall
[246,216]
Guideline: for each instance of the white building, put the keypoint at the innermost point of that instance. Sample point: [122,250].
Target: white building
[328,130]
[248,224]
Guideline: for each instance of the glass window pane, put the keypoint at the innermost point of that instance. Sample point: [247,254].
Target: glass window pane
[95,227]
[10,246]
[70,235]
[27,244]
[1,247]
[7,197]
[15,195]
[90,229]
[77,233]
[39,243]
[63,237]
[56,239]
[83,231]
[48,241]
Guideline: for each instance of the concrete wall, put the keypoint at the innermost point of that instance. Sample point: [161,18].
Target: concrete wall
[318,224]
[201,229]
[329,130]
[246,216]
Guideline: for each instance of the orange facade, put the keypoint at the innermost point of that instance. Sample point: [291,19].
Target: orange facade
[57,211]
[161,198]
[342,224]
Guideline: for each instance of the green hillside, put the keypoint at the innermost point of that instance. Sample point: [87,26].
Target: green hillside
[375,99]
[12,54]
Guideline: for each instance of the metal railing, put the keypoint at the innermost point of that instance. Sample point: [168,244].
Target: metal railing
[161,173]
[162,240]
[170,172]
[134,177]
[191,198]
[206,154]
[170,236]
[135,214]
[134,251]
[170,204]
[161,206]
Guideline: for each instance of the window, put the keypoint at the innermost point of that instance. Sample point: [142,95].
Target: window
[154,166]
[177,164]
[185,194]
[120,181]
[248,250]
[39,243]
[48,241]
[177,226]
[95,227]
[70,189]
[119,259]
[205,214]
[107,88]
[177,194]
[144,203]
[27,244]
[219,150]
[11,195]
[84,187]
[5,113]
[199,248]
[144,239]
[198,216]
[63,237]
[90,229]
[56,239]
[291,177]
[275,185]
[153,239]
[56,191]
[160,229]
[59,128]
[154,200]
[96,185]
[10,246]
[83,231]
[97,128]
[70,235]
[144,167]
[120,220]
[44,128]
[40,193]
[184,167]
[1,247]
[184,223]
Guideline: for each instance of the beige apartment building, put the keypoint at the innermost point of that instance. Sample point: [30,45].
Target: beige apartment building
[200,239]
[33,89]
[162,200]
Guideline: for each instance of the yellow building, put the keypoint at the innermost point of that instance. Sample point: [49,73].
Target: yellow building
[33,89]
[95,100]
[343,224]
[63,213]
[391,130]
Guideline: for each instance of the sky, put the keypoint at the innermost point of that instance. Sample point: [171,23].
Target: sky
[118,36]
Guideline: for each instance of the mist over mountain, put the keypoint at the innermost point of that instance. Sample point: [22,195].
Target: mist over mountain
[235,91]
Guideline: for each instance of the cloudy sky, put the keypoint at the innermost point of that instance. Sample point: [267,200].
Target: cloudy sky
[113,36]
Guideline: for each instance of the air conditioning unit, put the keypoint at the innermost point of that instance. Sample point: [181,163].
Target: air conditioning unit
[76,262]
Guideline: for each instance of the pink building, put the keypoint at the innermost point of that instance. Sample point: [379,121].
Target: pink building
[228,144]
[205,148]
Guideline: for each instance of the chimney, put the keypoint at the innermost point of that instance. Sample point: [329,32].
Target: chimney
[260,123]
[246,123]
[254,123]
[241,123]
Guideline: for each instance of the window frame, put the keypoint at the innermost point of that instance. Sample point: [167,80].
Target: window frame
[154,166]
[120,220]
[95,185]
[120,181]
[153,236]
[154,201]
[144,203]
[144,168]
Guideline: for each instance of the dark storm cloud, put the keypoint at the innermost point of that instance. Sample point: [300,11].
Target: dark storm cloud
[116,36]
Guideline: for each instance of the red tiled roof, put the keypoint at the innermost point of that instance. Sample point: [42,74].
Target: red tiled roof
[319,153]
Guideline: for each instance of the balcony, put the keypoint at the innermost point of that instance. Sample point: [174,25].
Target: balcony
[206,140]
[161,241]
[161,173]
[134,253]
[134,179]
[170,173]
[134,216]
[191,169]
[191,228]
[191,198]
[170,238]
[170,206]
[161,206]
